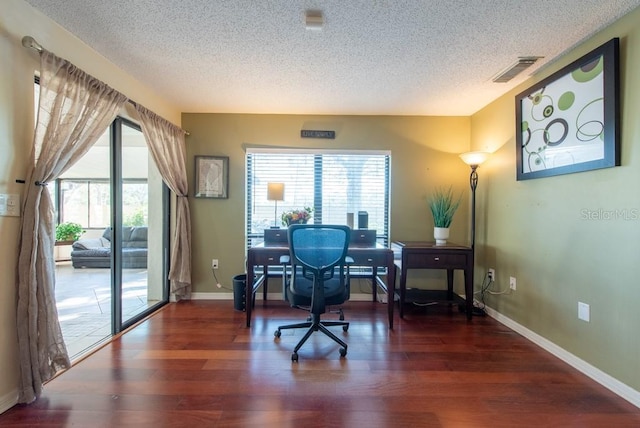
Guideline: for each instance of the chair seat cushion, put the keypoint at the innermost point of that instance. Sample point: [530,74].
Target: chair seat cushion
[334,292]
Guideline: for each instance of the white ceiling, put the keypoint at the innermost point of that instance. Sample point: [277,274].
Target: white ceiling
[403,57]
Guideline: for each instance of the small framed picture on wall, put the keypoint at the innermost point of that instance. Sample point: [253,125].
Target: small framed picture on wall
[211,177]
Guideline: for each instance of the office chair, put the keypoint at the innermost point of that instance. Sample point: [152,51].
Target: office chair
[318,276]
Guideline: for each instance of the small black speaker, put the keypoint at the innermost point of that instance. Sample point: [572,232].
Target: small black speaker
[363,220]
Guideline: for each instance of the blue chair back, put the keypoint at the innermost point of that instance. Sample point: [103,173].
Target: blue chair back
[319,247]
[317,253]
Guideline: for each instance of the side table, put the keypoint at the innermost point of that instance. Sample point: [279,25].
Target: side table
[428,255]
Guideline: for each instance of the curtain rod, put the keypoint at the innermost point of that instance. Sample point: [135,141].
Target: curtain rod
[30,42]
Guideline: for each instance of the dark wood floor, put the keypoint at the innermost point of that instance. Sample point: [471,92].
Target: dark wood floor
[194,364]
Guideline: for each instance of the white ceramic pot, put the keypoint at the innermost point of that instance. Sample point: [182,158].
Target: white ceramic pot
[441,234]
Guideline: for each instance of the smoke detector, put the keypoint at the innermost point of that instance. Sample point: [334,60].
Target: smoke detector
[313,20]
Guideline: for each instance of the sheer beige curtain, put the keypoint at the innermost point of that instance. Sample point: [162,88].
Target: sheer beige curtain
[167,146]
[74,110]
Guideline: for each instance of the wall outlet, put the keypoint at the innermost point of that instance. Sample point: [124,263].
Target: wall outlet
[492,274]
[583,311]
[512,282]
[214,263]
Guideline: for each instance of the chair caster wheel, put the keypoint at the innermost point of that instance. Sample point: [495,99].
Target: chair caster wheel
[345,328]
[343,352]
[294,357]
[277,333]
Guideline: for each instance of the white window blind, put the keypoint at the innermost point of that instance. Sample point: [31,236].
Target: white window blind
[333,183]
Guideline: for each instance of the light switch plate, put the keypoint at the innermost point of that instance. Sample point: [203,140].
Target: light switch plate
[10,205]
[583,311]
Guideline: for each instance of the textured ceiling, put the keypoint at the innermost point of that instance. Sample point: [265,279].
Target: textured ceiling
[421,57]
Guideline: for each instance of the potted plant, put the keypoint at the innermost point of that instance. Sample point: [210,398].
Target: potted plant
[68,231]
[443,206]
[299,216]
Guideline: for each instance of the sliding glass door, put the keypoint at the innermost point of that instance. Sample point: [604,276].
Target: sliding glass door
[140,216]
[117,272]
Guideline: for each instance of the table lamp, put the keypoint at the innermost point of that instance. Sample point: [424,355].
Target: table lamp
[275,192]
[473,159]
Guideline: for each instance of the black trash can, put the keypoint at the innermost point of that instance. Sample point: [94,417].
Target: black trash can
[239,292]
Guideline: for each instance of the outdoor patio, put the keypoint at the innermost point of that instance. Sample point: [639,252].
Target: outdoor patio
[83,299]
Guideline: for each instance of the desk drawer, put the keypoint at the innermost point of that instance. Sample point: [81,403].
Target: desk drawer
[268,257]
[441,261]
[379,259]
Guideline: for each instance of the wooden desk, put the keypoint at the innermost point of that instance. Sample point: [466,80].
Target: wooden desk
[374,257]
[428,255]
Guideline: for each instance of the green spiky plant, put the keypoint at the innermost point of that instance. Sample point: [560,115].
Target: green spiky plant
[443,206]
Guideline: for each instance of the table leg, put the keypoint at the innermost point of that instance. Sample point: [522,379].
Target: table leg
[374,284]
[265,284]
[403,288]
[450,285]
[249,290]
[391,290]
[468,291]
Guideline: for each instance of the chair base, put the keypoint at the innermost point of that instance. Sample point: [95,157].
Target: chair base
[315,325]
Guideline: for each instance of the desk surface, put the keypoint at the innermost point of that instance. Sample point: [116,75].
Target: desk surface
[352,246]
[363,255]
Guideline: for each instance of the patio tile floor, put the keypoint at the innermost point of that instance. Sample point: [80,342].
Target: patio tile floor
[83,299]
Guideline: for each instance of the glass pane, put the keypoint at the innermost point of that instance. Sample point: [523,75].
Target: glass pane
[135,203]
[99,204]
[83,276]
[142,246]
[74,202]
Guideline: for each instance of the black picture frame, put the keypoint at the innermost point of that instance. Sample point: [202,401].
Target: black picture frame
[211,177]
[570,121]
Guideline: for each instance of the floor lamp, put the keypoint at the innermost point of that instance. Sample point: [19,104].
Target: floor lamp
[275,192]
[473,159]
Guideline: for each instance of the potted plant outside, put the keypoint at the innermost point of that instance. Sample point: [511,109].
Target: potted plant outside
[443,206]
[68,232]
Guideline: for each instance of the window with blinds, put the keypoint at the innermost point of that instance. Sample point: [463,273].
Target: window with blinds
[332,183]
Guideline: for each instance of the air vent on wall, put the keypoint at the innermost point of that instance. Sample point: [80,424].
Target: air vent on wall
[515,69]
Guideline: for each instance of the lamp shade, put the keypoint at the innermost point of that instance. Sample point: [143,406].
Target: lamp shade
[474,158]
[275,191]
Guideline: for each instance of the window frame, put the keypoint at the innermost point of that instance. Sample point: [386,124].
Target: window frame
[59,203]
[255,238]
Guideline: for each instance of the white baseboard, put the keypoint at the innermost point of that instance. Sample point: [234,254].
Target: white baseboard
[609,382]
[8,400]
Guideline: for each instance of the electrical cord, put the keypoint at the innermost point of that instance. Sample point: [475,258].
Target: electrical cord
[217,281]
[486,289]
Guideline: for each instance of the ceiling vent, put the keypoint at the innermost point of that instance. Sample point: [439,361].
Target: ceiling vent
[513,70]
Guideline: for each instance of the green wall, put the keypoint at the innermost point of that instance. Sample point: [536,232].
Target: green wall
[536,231]
[424,154]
